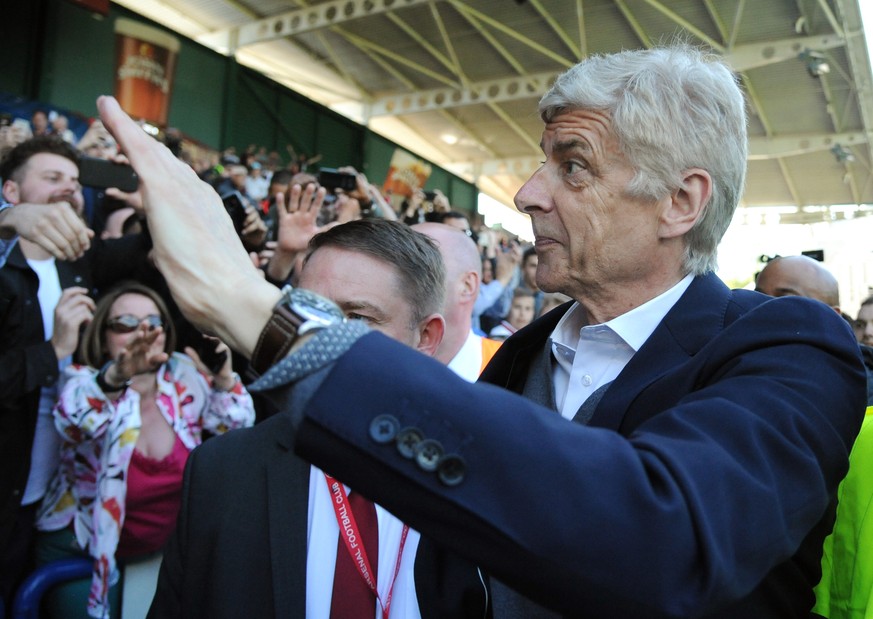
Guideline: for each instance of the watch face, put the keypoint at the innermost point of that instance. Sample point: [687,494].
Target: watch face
[313,308]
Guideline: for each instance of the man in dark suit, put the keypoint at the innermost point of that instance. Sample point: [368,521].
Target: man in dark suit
[710,428]
[257,536]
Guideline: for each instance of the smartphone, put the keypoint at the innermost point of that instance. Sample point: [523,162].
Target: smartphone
[233,203]
[96,172]
[330,179]
[210,357]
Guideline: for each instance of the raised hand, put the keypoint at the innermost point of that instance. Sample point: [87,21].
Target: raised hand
[74,309]
[296,225]
[254,230]
[139,356]
[195,245]
[55,227]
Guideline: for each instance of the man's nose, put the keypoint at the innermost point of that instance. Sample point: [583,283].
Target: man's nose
[534,195]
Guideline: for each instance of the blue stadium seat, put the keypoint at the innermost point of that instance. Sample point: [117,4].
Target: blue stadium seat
[29,594]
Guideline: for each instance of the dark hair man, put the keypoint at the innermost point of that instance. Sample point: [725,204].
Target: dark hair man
[710,428]
[260,509]
[43,304]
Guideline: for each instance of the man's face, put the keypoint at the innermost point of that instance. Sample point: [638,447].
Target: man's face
[521,313]
[46,178]
[863,325]
[529,271]
[588,230]
[39,121]
[364,287]
[779,280]
[460,223]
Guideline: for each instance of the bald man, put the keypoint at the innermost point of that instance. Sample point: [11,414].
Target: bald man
[462,350]
[802,276]
[799,276]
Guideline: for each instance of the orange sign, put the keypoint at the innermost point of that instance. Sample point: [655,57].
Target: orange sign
[406,174]
[144,69]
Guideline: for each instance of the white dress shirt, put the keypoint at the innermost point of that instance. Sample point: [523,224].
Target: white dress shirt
[467,363]
[321,545]
[589,356]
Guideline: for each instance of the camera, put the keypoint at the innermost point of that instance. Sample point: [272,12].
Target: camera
[233,203]
[331,179]
[96,172]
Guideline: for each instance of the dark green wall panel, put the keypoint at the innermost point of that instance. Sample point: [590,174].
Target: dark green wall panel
[198,93]
[339,142]
[65,56]
[79,61]
[298,124]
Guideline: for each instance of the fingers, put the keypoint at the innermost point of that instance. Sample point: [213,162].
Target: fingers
[139,146]
[55,227]
[74,309]
[133,200]
[139,354]
[305,200]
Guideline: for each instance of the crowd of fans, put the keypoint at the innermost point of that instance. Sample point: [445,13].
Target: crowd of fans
[136,386]
[107,389]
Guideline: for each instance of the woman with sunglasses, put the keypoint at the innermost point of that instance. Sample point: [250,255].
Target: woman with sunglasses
[129,416]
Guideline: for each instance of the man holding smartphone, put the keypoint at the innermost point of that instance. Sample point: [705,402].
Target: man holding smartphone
[45,284]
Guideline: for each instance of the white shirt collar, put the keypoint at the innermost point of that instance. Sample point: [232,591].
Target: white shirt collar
[634,327]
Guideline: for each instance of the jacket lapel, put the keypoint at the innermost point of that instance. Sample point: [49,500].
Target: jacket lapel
[287,498]
[689,325]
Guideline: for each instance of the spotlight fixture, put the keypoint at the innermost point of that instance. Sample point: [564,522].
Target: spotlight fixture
[816,63]
[842,153]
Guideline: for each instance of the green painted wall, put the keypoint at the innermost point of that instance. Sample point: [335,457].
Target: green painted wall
[65,56]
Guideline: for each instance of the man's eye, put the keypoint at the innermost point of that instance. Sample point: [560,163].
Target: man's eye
[571,167]
[354,316]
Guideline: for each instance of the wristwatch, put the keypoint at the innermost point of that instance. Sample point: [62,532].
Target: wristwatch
[297,312]
[104,385]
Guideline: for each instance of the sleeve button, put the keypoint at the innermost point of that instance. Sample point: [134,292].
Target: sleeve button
[451,470]
[427,455]
[384,428]
[407,440]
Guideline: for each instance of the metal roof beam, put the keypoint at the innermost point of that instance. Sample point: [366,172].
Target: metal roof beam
[491,91]
[742,58]
[306,19]
[753,55]
[859,60]
[759,149]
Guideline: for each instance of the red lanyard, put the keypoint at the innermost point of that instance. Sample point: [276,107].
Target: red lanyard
[349,532]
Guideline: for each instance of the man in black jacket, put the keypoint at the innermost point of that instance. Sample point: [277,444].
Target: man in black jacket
[43,304]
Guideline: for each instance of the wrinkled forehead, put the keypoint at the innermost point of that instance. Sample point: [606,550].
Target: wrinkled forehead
[579,128]
[43,163]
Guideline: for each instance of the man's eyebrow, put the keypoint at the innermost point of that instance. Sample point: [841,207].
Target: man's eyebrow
[351,305]
[568,145]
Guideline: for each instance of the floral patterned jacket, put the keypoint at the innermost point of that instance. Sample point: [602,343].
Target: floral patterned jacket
[99,435]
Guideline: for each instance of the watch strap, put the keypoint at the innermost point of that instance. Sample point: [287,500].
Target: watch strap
[276,339]
[104,385]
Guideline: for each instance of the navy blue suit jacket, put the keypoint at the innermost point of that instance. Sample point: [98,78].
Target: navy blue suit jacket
[701,486]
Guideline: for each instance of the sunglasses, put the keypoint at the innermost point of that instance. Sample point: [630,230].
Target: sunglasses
[127,323]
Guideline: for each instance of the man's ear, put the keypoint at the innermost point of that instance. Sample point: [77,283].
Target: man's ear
[470,286]
[687,203]
[431,330]
[11,192]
